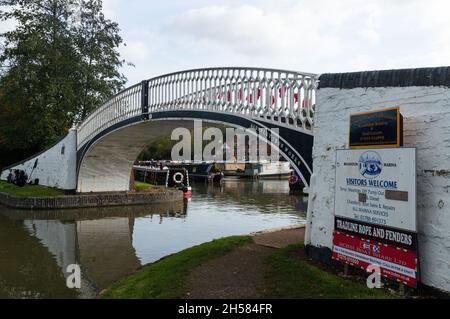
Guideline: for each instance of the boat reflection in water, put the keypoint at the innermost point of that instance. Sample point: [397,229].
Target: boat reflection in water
[109,243]
[266,195]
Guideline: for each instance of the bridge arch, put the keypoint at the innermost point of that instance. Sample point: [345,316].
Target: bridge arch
[105,162]
[112,137]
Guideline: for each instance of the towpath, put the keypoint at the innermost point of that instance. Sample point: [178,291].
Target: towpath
[240,273]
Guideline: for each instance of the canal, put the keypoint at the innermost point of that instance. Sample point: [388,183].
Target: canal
[109,243]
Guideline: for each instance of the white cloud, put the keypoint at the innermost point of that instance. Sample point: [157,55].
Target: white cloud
[111,8]
[136,51]
[313,36]
[319,36]
[256,32]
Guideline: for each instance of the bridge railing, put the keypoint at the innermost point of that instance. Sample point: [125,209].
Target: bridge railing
[275,95]
[126,104]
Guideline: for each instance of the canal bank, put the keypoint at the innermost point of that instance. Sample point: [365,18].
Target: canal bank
[263,265]
[42,198]
[112,242]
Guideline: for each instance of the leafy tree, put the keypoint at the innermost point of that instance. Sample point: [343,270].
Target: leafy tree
[37,89]
[160,149]
[58,64]
[97,39]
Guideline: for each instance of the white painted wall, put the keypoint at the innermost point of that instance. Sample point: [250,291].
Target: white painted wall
[54,169]
[59,238]
[426,112]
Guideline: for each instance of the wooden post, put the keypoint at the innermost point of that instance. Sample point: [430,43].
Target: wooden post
[132,186]
[402,289]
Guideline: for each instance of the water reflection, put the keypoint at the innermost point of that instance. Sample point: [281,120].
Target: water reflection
[108,243]
[37,247]
[266,196]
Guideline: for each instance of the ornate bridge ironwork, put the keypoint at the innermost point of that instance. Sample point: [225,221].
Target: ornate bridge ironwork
[277,96]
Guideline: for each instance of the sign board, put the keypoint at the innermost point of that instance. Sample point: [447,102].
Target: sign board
[378,187]
[392,236]
[380,128]
[375,211]
[375,198]
[395,263]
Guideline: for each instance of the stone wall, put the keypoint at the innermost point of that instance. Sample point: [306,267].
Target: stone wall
[90,200]
[424,99]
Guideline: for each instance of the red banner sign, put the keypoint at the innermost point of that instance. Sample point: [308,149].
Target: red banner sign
[395,263]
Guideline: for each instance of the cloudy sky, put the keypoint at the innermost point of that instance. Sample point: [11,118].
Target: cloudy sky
[314,36]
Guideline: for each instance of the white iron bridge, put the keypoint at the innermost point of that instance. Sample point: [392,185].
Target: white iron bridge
[109,140]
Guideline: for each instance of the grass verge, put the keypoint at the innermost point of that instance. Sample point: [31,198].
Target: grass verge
[167,278]
[144,187]
[29,190]
[291,276]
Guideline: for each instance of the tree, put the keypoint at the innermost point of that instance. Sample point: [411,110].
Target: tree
[58,64]
[97,40]
[160,149]
[37,88]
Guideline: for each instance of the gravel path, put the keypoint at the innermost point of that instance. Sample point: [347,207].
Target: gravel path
[240,273]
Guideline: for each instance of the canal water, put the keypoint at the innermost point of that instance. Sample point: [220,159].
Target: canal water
[109,243]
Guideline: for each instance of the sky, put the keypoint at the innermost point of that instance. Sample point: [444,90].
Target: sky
[315,36]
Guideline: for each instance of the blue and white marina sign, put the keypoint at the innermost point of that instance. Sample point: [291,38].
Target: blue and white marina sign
[377,187]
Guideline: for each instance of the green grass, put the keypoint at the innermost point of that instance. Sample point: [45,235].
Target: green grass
[29,190]
[291,276]
[144,187]
[167,278]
